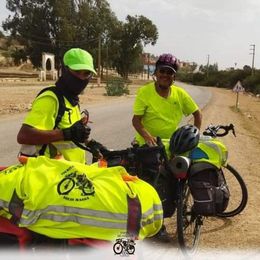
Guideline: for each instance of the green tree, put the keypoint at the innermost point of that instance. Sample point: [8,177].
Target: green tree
[37,25]
[130,38]
[252,82]
[247,68]
[97,22]
[57,25]
[209,68]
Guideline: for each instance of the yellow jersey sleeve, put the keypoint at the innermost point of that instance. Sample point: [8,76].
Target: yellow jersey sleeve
[43,113]
[140,104]
[188,104]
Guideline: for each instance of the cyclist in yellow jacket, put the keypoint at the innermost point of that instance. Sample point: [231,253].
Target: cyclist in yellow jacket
[158,110]
[159,106]
[39,134]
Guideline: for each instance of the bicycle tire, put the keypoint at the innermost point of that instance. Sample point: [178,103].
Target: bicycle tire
[65,186]
[118,248]
[234,208]
[130,250]
[88,189]
[188,224]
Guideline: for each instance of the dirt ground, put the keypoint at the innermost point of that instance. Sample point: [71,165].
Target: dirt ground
[243,231]
[16,95]
[240,232]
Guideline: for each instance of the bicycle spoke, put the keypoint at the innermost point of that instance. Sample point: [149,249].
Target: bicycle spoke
[188,225]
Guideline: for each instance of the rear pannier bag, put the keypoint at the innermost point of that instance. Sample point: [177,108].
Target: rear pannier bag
[208,188]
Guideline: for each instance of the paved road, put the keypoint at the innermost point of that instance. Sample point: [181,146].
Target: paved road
[111,126]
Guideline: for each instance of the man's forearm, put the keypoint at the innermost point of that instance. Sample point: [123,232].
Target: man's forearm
[33,136]
[197,118]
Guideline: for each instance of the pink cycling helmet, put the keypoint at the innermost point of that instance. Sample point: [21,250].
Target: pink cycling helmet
[167,60]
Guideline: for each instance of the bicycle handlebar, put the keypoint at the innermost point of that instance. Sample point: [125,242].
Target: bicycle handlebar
[217,130]
[98,150]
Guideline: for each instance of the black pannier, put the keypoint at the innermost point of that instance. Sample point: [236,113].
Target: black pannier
[208,188]
[149,169]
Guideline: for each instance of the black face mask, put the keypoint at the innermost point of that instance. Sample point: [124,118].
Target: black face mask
[71,86]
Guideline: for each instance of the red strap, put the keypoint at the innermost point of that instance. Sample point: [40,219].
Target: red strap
[134,216]
[91,242]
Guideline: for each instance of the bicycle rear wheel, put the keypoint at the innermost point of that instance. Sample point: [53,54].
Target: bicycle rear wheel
[238,192]
[188,224]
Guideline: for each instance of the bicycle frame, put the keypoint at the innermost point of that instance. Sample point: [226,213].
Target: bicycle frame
[185,217]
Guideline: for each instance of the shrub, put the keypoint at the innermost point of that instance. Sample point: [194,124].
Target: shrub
[116,87]
[252,83]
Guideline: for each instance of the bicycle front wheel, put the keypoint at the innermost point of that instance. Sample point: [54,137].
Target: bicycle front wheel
[66,186]
[238,192]
[188,224]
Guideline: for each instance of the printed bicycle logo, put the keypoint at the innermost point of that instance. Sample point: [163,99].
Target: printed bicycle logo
[78,181]
[124,246]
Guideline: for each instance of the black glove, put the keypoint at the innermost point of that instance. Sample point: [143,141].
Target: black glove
[78,132]
[96,148]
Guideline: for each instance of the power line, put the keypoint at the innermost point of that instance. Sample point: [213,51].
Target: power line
[36,37]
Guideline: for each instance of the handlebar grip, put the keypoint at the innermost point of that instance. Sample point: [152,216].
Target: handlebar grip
[213,130]
[226,130]
[207,133]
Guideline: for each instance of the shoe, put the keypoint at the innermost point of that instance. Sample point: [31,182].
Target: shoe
[162,236]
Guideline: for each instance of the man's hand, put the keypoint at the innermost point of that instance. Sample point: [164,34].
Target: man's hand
[78,132]
[138,125]
[150,140]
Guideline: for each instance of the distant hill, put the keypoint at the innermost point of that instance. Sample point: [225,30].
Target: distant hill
[7,45]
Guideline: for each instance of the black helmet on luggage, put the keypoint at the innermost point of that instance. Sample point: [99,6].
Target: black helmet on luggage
[184,139]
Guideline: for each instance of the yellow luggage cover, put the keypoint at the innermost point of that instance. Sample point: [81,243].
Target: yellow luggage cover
[63,199]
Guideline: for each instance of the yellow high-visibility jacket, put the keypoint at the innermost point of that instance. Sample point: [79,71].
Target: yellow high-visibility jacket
[63,199]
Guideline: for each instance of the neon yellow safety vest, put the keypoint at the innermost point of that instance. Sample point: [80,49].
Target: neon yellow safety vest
[63,199]
[42,116]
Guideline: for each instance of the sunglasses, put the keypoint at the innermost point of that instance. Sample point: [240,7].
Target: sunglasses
[83,73]
[166,71]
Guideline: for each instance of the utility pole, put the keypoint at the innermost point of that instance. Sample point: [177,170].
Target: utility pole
[208,66]
[252,48]
[107,64]
[99,61]
[148,65]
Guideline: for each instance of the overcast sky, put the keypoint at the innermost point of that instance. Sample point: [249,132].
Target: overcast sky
[194,29]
